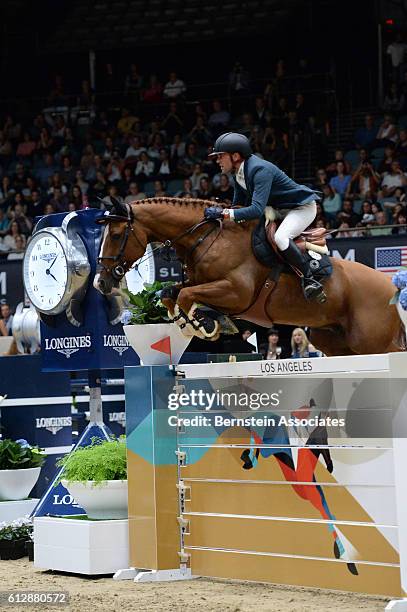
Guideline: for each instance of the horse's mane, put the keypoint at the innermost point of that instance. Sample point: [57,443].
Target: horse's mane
[195,202]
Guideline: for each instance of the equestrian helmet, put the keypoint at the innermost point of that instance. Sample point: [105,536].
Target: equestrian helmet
[232,142]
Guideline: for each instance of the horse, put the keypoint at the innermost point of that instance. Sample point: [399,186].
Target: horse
[224,274]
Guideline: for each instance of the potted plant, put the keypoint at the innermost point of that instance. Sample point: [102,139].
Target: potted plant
[14,537]
[148,328]
[20,467]
[400,297]
[96,477]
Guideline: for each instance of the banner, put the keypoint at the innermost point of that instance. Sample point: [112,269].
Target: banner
[363,250]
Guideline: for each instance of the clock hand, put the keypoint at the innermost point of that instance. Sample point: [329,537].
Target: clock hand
[50,273]
[53,262]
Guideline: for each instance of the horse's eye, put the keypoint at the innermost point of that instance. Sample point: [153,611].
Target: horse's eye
[115,236]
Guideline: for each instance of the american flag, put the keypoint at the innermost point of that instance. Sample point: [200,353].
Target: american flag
[390,259]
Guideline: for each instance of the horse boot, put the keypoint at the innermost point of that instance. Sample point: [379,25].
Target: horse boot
[313,290]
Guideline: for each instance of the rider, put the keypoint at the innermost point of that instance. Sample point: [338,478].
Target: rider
[259,183]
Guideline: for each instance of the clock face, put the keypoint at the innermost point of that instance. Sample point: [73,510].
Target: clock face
[45,272]
[143,273]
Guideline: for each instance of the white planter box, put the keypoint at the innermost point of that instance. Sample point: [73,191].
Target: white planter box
[17,484]
[81,546]
[141,337]
[12,510]
[104,501]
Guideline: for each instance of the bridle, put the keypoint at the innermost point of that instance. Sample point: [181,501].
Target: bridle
[118,270]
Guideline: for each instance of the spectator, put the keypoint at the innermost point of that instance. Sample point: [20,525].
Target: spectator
[340,183]
[187,163]
[219,119]
[26,148]
[174,88]
[300,345]
[58,200]
[24,224]
[187,190]
[9,240]
[392,180]
[135,149]
[397,52]
[259,112]
[196,176]
[134,194]
[272,350]
[332,167]
[401,149]
[79,180]
[109,149]
[6,318]
[4,223]
[145,166]
[225,191]
[173,123]
[75,197]
[365,181]
[159,191]
[164,165]
[153,92]
[46,170]
[347,214]
[331,202]
[367,215]
[321,178]
[177,149]
[381,221]
[133,84]
[401,224]
[199,134]
[67,173]
[394,100]
[35,206]
[6,150]
[239,80]
[365,136]
[205,188]
[155,147]
[389,157]
[6,191]
[18,253]
[127,122]
[387,133]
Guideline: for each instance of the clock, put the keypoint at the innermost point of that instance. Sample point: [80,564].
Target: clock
[56,270]
[142,272]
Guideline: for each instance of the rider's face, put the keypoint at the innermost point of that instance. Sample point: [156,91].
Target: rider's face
[225,162]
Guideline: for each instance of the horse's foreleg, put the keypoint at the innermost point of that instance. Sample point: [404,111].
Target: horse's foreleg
[221,294]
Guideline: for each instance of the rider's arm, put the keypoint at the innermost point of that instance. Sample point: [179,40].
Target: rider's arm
[261,193]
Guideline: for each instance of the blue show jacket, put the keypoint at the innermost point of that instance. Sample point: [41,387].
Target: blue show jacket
[267,185]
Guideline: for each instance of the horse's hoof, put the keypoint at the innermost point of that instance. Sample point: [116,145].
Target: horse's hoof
[205,324]
[247,462]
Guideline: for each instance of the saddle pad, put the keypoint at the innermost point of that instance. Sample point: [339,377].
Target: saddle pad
[263,251]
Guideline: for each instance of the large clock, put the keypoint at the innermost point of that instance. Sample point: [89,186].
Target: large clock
[56,270]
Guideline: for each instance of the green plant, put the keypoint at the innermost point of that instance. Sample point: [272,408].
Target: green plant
[146,306]
[20,529]
[100,461]
[17,455]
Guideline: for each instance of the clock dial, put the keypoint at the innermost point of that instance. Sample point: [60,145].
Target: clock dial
[45,271]
[143,273]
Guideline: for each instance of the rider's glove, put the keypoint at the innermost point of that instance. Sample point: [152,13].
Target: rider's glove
[213,212]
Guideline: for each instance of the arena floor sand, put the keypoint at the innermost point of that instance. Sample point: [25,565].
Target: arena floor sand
[97,594]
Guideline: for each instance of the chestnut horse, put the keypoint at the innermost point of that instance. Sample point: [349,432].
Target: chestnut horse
[223,273]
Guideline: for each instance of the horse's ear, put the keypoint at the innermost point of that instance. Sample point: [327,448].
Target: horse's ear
[119,207]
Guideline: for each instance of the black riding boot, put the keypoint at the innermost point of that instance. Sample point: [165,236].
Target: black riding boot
[313,290]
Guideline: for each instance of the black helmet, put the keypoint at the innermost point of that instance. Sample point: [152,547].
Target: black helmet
[231,142]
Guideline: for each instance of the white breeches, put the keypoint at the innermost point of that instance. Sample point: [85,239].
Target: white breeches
[294,223]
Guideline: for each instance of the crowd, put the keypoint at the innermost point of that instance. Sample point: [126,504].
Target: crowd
[70,157]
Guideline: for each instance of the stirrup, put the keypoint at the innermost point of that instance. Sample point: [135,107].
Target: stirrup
[314,290]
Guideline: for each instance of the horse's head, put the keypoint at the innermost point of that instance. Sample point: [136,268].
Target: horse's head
[122,244]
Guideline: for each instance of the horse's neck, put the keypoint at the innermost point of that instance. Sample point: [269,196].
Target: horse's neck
[167,223]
